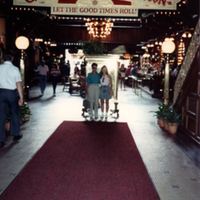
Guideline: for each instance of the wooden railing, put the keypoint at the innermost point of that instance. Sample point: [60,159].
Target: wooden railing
[191,52]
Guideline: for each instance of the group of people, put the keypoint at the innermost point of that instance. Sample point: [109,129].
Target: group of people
[125,72]
[55,72]
[99,90]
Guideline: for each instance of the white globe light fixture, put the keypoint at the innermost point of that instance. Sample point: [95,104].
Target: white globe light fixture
[168,47]
[146,55]
[22,43]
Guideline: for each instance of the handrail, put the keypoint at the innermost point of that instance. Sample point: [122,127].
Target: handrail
[190,55]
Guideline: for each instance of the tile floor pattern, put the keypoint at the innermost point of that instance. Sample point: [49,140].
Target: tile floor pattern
[175,175]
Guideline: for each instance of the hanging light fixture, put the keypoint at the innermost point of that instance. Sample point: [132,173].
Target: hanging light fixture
[181,52]
[186,35]
[99,28]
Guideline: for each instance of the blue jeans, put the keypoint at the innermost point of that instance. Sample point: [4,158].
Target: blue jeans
[42,81]
[9,108]
[54,80]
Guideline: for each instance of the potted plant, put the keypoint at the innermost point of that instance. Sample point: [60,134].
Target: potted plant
[25,113]
[24,117]
[173,120]
[161,115]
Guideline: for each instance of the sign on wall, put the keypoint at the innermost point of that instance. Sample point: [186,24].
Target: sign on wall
[100,8]
[45,3]
[94,11]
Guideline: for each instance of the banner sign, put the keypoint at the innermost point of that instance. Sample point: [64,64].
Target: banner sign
[156,4]
[42,3]
[126,8]
[94,11]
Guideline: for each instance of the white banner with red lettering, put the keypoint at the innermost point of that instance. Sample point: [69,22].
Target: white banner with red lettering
[100,8]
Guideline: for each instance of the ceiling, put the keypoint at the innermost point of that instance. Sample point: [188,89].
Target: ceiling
[132,32]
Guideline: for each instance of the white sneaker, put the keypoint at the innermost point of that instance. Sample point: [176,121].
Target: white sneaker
[106,115]
[91,118]
[102,116]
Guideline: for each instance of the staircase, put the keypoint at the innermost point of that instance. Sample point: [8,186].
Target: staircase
[190,55]
[187,89]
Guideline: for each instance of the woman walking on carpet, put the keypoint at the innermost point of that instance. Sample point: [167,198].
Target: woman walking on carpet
[105,91]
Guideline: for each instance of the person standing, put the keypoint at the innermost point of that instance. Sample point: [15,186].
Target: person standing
[65,70]
[54,73]
[93,81]
[11,97]
[42,70]
[122,75]
[105,91]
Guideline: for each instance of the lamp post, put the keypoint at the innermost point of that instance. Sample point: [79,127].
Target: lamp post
[22,43]
[168,47]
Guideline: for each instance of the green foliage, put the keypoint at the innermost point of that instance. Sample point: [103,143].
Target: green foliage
[162,111]
[172,116]
[93,47]
[168,113]
[25,112]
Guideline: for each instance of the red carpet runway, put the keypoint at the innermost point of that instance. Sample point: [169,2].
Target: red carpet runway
[85,161]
